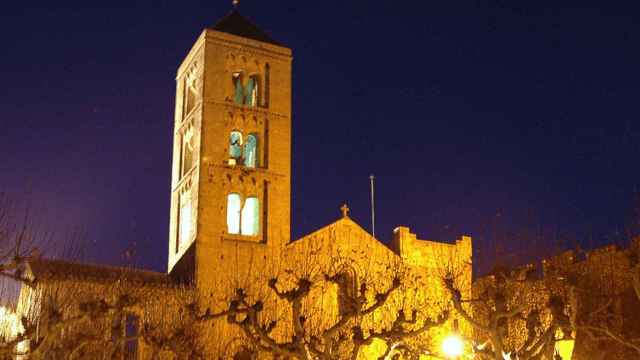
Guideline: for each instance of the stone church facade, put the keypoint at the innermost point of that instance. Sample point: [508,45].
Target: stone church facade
[231,196]
[231,187]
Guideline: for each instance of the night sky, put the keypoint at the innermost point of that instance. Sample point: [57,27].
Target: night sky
[515,125]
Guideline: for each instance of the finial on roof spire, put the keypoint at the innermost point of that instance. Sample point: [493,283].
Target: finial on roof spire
[235,3]
[345,211]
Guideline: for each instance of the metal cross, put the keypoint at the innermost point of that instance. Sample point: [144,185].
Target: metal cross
[345,211]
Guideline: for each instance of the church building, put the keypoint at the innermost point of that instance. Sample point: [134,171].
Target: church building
[230,217]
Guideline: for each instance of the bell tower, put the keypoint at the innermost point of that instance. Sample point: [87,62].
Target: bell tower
[231,179]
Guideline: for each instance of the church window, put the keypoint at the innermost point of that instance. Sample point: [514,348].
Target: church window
[347,290]
[251,151]
[250,217]
[235,145]
[125,333]
[243,218]
[267,78]
[185,220]
[238,88]
[190,95]
[233,213]
[251,91]
[245,91]
[131,337]
[187,153]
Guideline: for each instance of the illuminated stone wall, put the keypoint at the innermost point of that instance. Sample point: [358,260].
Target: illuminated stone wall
[424,264]
[600,277]
[594,285]
[159,306]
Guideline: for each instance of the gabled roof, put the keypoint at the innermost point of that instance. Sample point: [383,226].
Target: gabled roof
[356,237]
[236,24]
[49,269]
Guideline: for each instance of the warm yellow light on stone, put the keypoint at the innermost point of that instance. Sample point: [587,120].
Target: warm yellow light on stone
[452,346]
[564,348]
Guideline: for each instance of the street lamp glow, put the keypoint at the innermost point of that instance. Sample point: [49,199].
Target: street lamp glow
[452,346]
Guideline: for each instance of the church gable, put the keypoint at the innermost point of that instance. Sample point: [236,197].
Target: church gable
[343,239]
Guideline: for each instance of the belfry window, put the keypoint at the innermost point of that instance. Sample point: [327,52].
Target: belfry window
[185,220]
[250,217]
[251,151]
[233,213]
[243,219]
[235,145]
[187,153]
[238,95]
[251,91]
[190,95]
[245,91]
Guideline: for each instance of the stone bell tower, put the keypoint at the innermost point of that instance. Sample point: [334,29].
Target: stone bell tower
[231,181]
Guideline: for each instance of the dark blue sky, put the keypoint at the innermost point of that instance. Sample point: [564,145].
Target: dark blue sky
[476,117]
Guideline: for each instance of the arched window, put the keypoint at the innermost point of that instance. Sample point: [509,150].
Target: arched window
[235,145]
[250,217]
[233,213]
[185,219]
[238,95]
[347,290]
[190,95]
[251,91]
[251,151]
[186,149]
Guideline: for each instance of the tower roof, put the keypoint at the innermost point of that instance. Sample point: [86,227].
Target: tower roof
[236,24]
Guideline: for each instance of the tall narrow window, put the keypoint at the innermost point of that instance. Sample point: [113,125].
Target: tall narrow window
[186,148]
[235,145]
[238,95]
[347,290]
[178,220]
[251,151]
[131,337]
[185,219]
[267,79]
[233,213]
[251,91]
[190,94]
[124,335]
[250,217]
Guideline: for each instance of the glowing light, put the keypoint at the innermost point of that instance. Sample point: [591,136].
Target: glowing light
[564,348]
[10,324]
[452,346]
[564,344]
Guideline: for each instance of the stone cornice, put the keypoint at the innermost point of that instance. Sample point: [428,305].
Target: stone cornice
[248,45]
[247,110]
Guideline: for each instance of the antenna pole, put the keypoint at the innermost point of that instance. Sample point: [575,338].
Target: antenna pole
[373,207]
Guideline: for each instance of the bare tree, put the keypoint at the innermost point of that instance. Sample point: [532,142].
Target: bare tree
[514,313]
[68,310]
[605,286]
[330,312]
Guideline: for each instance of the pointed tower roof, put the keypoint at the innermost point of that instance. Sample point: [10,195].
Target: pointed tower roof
[236,24]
